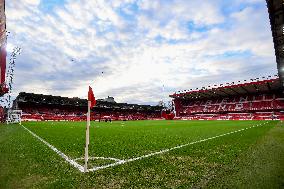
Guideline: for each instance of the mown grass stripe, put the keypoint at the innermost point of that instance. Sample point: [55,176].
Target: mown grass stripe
[119,161]
[169,149]
[61,154]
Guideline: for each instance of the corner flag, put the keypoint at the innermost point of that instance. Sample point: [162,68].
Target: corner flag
[91,103]
[91,97]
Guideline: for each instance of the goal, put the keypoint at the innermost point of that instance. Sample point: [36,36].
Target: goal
[14,116]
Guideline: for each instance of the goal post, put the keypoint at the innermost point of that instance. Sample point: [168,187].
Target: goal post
[14,116]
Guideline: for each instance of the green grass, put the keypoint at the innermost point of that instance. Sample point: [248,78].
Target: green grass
[25,162]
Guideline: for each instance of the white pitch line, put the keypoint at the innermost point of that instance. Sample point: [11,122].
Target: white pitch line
[169,149]
[61,154]
[106,158]
[119,161]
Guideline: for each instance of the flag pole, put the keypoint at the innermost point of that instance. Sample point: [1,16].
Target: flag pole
[87,137]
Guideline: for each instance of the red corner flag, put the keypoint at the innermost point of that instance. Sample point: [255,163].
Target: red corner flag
[92,102]
[91,97]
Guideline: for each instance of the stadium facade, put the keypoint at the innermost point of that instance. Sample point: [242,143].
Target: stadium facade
[254,100]
[39,107]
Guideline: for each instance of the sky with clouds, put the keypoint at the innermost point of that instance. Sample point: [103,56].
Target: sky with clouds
[130,49]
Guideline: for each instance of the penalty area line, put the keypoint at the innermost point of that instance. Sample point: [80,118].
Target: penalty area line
[170,149]
[61,154]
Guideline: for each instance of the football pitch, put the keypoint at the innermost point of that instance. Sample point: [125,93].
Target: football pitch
[141,154]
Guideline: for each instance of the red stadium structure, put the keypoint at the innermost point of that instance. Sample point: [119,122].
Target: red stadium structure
[38,107]
[3,41]
[255,100]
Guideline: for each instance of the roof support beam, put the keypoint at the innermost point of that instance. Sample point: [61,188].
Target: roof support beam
[244,89]
[257,89]
[206,95]
[234,91]
[214,94]
[268,86]
[225,92]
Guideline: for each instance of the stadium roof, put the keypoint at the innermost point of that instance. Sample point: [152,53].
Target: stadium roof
[276,16]
[232,89]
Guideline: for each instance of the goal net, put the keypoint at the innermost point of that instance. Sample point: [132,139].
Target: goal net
[14,116]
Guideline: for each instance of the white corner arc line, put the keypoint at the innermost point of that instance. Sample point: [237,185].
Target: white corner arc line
[61,154]
[169,149]
[104,158]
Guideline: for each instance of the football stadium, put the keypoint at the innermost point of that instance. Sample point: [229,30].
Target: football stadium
[223,135]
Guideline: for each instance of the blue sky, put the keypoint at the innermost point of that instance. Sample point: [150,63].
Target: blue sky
[129,49]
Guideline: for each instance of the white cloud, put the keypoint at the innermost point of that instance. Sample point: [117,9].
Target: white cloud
[205,13]
[147,5]
[30,2]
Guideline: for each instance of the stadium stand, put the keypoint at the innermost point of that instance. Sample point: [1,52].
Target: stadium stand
[255,100]
[38,107]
